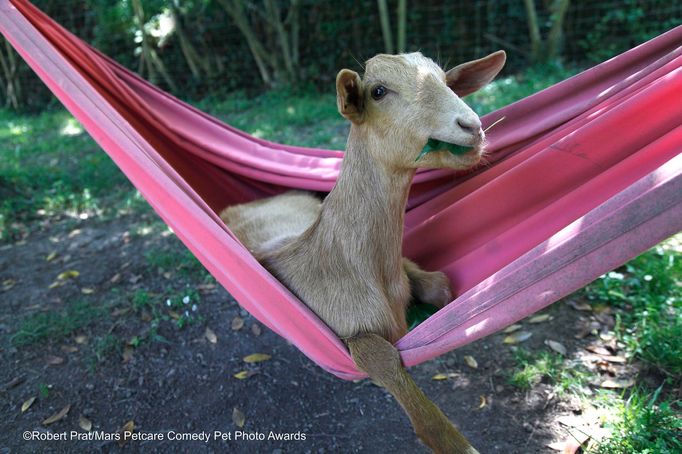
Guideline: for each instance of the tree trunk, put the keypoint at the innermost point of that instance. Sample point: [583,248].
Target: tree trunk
[236,11]
[148,56]
[556,32]
[402,25]
[385,26]
[533,30]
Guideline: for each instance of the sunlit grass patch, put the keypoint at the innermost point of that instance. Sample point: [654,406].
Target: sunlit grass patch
[641,425]
[53,325]
[648,289]
[533,368]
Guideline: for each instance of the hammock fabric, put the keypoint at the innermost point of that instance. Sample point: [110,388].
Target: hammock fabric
[584,176]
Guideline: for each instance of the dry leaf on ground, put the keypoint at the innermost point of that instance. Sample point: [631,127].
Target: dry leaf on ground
[256,358]
[539,318]
[53,360]
[84,423]
[27,404]
[238,418]
[471,361]
[617,384]
[511,328]
[557,347]
[210,335]
[243,375]
[237,323]
[57,416]
[126,432]
[517,337]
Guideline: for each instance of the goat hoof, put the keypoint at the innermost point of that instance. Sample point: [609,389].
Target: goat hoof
[434,288]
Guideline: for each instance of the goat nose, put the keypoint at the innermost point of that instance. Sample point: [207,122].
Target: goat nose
[469,126]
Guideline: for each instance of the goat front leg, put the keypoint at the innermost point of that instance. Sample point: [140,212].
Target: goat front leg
[428,287]
[381,361]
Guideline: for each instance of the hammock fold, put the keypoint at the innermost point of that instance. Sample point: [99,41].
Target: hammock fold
[583,176]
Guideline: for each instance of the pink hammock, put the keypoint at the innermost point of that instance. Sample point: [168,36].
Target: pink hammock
[584,176]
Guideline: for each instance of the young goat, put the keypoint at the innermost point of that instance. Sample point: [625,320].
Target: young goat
[343,256]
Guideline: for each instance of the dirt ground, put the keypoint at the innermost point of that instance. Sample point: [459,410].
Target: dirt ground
[185,383]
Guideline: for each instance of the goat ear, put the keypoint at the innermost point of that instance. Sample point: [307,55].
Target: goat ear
[349,95]
[471,76]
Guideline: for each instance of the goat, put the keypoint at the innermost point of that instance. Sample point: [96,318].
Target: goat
[343,256]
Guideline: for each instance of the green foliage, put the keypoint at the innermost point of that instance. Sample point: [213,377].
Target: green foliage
[649,288]
[332,38]
[532,368]
[297,117]
[53,325]
[50,167]
[506,90]
[624,25]
[640,426]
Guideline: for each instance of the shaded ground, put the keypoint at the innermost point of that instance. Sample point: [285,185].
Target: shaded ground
[113,350]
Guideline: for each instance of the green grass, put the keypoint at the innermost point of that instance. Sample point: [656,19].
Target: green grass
[641,425]
[50,168]
[648,289]
[534,368]
[54,325]
[182,262]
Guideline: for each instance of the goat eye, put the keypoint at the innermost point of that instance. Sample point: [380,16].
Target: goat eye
[379,92]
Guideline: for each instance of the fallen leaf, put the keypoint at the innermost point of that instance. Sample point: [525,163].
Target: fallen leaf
[206,287]
[256,329]
[243,375]
[51,256]
[578,306]
[615,359]
[174,315]
[471,361]
[557,347]
[539,318]
[80,339]
[598,349]
[237,323]
[135,278]
[167,275]
[126,432]
[556,446]
[617,384]
[57,416]
[87,290]
[115,278]
[210,335]
[238,417]
[70,274]
[53,360]
[84,423]
[146,316]
[128,352]
[120,311]
[511,328]
[256,358]
[55,284]
[69,349]
[439,376]
[517,337]
[27,404]
[8,284]
[482,400]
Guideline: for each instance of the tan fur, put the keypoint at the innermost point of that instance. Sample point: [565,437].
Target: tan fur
[343,257]
[381,361]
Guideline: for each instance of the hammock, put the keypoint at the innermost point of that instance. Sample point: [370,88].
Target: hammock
[584,176]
